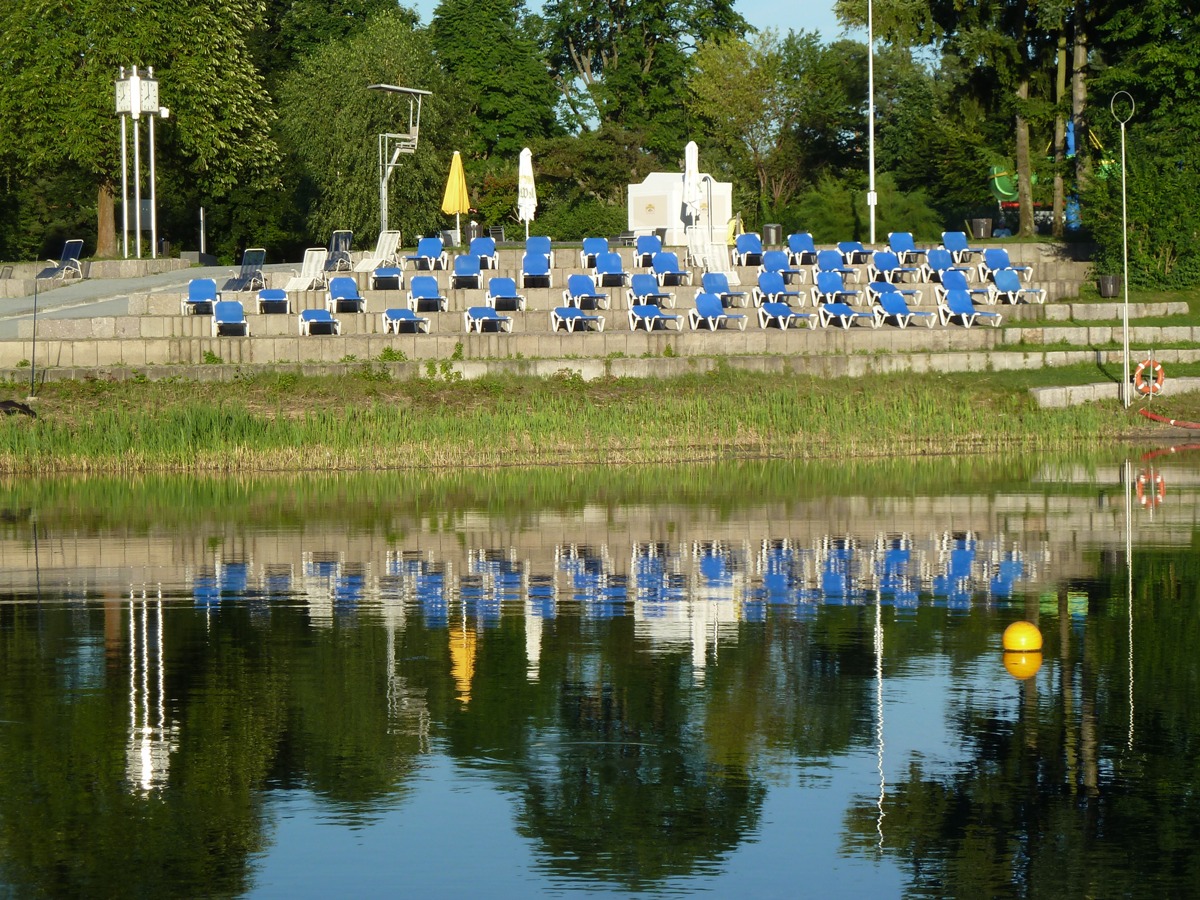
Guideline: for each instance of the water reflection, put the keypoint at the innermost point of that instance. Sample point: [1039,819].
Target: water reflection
[619,685]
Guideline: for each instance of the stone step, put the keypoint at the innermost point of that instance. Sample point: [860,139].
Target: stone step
[477,356]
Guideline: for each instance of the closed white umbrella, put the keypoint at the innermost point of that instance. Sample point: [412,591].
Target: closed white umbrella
[693,196]
[526,192]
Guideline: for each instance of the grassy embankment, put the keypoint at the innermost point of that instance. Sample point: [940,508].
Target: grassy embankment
[285,422]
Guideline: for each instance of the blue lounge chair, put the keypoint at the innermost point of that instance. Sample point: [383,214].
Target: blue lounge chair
[779,261]
[582,294]
[401,321]
[939,261]
[958,303]
[424,294]
[343,295]
[709,311]
[1008,287]
[747,250]
[229,319]
[644,290]
[610,271]
[890,304]
[905,247]
[484,318]
[718,283]
[319,321]
[250,276]
[956,280]
[593,248]
[801,249]
[844,314]
[995,259]
[273,300]
[338,258]
[485,249]
[771,288]
[853,252]
[651,317]
[913,295]
[831,261]
[502,295]
[535,270]
[667,270]
[886,266]
[644,249]
[430,254]
[67,265]
[831,289]
[782,316]
[956,243]
[541,245]
[201,294]
[387,278]
[572,319]
[466,272]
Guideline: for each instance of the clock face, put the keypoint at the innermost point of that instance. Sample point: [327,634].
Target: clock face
[122,97]
[149,95]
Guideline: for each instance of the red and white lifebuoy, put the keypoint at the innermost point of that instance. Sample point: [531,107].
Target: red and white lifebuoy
[1149,377]
[1151,489]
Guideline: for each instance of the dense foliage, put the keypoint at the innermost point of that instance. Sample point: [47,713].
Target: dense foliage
[274,135]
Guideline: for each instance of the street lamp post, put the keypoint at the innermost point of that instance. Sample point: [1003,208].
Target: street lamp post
[1126,387]
[136,95]
[872,196]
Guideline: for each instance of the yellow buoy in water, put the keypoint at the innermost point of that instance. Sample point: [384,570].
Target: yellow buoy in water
[1022,636]
[1022,665]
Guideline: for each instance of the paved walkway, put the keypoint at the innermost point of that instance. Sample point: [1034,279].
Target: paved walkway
[93,297]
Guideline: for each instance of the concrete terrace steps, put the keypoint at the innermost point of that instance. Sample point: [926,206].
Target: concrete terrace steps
[154,334]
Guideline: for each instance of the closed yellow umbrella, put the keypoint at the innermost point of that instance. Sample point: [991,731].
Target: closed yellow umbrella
[456,201]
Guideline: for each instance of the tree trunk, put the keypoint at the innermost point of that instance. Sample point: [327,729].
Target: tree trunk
[106,228]
[1024,169]
[1060,136]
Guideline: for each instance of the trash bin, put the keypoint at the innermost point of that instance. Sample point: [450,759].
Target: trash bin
[473,231]
[981,229]
[772,235]
[1109,285]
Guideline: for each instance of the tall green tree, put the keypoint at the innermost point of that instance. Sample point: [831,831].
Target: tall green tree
[1149,52]
[293,29]
[624,63]
[59,62]
[337,156]
[500,70]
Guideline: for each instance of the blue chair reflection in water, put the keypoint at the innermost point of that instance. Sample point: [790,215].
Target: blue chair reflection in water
[277,580]
[893,559]
[1009,570]
[542,596]
[715,563]
[781,568]
[349,587]
[599,593]
[656,588]
[477,601]
[423,580]
[206,594]
[954,586]
[837,572]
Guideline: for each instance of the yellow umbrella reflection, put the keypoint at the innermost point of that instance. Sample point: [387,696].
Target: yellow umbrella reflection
[462,660]
[456,200]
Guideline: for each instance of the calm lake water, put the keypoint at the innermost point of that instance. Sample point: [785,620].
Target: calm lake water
[763,680]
